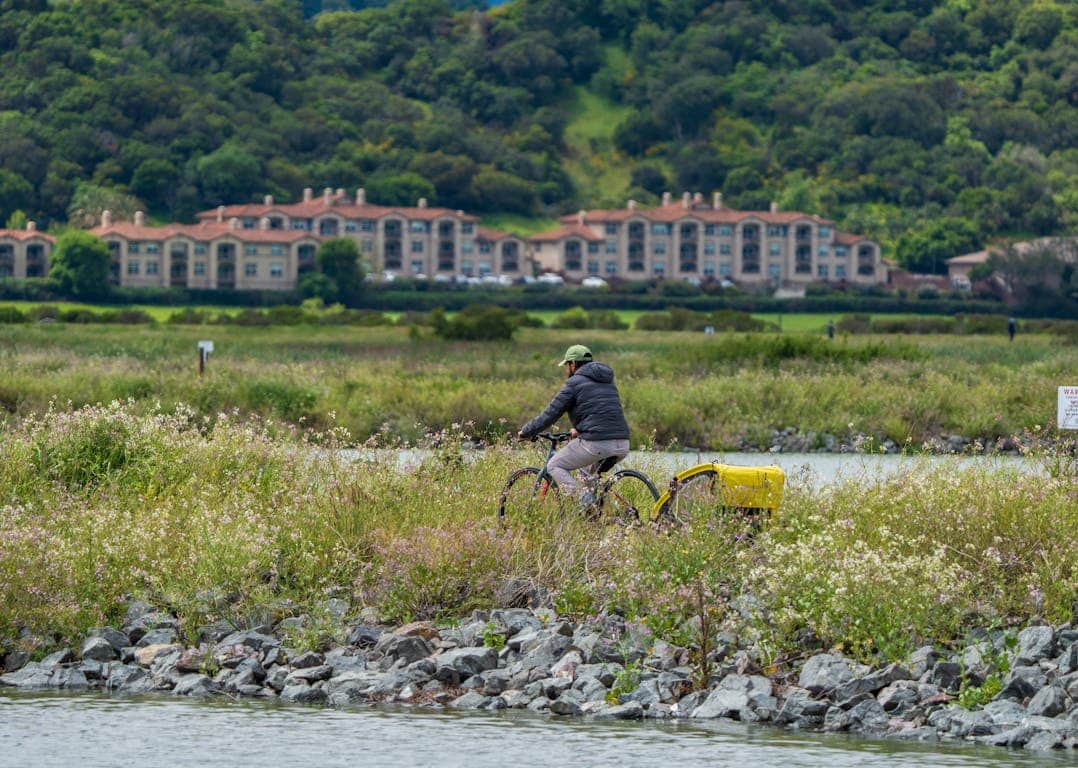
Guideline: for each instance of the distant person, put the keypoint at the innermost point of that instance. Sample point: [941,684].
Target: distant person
[599,431]
[830,329]
[1012,328]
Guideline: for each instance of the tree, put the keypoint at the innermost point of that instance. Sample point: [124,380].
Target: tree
[228,175]
[17,220]
[927,248]
[338,259]
[89,201]
[80,265]
[15,192]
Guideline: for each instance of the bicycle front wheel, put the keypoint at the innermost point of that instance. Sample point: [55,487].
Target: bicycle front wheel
[524,489]
[628,496]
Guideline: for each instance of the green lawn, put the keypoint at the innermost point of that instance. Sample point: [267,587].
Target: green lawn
[158,313]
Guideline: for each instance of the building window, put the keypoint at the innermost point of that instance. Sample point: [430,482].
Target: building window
[153,247]
[840,270]
[774,270]
[593,267]
[417,267]
[417,246]
[824,251]
[593,247]
[200,268]
[484,246]
[300,224]
[200,250]
[658,248]
[250,269]
[133,247]
[775,249]
[709,268]
[467,246]
[484,268]
[467,228]
[132,267]
[724,249]
[659,268]
[151,267]
[277,249]
[417,226]
[709,230]
[466,266]
[611,229]
[775,231]
[611,267]
[248,222]
[840,251]
[350,226]
[725,269]
[709,248]
[276,269]
[660,229]
[366,225]
[824,233]
[368,246]
[611,246]
[821,270]
[725,230]
[250,250]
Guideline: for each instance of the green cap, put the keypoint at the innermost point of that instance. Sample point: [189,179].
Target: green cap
[576,354]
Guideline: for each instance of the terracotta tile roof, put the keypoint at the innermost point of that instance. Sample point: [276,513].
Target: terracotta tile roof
[340,206]
[676,211]
[846,238]
[205,231]
[26,234]
[563,233]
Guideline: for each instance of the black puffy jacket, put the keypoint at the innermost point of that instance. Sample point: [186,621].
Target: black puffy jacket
[591,399]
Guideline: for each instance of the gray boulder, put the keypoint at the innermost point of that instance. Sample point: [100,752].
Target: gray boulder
[516,699]
[365,635]
[801,710]
[732,696]
[1034,644]
[1014,737]
[1044,742]
[301,693]
[114,637]
[1048,702]
[1022,683]
[565,706]
[194,685]
[98,649]
[922,660]
[899,697]
[1006,713]
[32,675]
[409,648]
[872,682]
[825,672]
[631,711]
[866,717]
[471,700]
[461,663]
[308,659]
[308,675]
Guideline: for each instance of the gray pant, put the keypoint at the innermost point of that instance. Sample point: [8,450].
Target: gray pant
[580,453]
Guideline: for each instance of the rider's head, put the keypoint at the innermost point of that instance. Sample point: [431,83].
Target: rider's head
[575,357]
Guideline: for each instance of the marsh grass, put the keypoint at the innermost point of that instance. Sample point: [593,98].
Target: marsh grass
[718,392]
[221,518]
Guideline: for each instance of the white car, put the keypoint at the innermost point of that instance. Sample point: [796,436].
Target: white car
[505,280]
[549,278]
[594,282]
[389,277]
[443,279]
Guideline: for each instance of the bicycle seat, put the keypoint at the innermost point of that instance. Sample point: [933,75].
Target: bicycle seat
[606,464]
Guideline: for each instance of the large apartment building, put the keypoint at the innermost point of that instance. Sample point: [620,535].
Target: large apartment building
[692,238]
[25,252]
[407,241]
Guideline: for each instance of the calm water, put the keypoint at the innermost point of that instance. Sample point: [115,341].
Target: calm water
[88,731]
[814,469]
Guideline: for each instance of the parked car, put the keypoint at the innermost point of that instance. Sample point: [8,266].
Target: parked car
[594,282]
[549,278]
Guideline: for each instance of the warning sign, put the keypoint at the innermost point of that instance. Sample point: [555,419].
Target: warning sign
[1068,408]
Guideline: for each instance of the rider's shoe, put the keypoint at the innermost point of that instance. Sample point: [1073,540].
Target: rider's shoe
[587,501]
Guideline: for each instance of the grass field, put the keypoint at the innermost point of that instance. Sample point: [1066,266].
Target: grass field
[724,392]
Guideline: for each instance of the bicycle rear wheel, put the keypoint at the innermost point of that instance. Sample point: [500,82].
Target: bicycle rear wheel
[524,489]
[628,497]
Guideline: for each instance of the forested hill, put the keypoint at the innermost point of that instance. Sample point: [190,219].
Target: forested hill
[949,120]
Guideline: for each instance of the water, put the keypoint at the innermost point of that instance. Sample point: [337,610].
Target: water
[91,731]
[814,469]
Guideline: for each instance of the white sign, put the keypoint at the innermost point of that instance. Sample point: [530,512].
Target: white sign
[1067,417]
[205,346]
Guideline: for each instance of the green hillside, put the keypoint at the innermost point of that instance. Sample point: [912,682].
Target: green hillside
[911,121]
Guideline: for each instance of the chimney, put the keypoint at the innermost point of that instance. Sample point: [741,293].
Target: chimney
[666,199]
[308,194]
[685,197]
[361,196]
[774,207]
[140,219]
[263,223]
[460,213]
[220,214]
[631,205]
[106,218]
[581,217]
[267,200]
[697,198]
[716,200]
[31,226]
[233,223]
[421,202]
[340,192]
[327,195]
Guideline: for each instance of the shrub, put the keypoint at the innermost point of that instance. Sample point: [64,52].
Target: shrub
[477,323]
[12,315]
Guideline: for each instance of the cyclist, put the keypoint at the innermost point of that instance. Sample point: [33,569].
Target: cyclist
[599,431]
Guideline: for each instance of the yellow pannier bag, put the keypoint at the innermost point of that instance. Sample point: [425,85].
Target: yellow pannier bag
[751,487]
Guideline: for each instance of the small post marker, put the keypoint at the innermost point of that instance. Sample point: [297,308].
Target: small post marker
[1067,413]
[709,330]
[204,349]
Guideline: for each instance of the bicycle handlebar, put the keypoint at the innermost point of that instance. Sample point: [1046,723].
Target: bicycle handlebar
[556,437]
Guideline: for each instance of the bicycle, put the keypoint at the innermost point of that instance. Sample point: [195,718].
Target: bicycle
[627,496]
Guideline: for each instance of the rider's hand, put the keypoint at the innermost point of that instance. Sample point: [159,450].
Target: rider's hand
[573,434]
[520,435]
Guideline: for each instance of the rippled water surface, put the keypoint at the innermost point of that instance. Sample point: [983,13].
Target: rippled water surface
[88,731]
